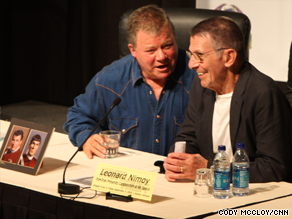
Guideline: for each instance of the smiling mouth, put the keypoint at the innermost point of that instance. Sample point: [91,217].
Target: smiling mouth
[162,66]
[200,73]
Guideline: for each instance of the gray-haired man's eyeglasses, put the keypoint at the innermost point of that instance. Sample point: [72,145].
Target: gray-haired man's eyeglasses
[198,56]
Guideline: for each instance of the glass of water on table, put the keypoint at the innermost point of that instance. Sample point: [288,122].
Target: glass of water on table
[111,142]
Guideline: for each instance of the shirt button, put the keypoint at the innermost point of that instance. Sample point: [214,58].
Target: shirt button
[123,130]
[158,116]
[150,92]
[163,92]
[157,140]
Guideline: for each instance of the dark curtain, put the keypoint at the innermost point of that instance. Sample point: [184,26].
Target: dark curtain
[50,49]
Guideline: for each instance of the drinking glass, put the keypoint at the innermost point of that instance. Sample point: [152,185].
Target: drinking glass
[202,183]
[111,142]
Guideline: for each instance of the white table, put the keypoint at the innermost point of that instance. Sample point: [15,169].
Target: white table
[170,200]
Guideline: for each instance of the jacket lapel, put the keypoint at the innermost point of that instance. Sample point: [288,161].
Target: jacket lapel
[237,102]
[209,99]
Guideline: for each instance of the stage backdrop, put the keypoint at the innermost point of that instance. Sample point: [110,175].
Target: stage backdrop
[271,31]
[50,49]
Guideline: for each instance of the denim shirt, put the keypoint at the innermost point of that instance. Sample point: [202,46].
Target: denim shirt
[145,123]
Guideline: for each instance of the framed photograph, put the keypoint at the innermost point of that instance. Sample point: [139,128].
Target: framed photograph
[24,146]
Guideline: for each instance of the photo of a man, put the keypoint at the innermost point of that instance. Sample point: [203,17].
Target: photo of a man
[12,153]
[28,159]
[24,146]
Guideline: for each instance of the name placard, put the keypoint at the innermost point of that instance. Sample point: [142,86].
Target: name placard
[124,181]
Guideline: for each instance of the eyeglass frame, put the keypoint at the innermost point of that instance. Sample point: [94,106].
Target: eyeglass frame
[197,56]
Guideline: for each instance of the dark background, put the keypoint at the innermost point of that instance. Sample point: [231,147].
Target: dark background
[50,49]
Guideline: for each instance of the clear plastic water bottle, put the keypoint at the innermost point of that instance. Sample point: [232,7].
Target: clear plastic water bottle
[221,164]
[240,171]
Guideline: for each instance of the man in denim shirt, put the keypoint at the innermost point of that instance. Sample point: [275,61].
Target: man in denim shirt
[153,83]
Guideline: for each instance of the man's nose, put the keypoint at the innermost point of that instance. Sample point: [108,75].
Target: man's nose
[193,64]
[161,55]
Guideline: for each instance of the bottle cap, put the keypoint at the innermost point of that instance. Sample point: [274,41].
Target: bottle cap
[221,148]
[240,145]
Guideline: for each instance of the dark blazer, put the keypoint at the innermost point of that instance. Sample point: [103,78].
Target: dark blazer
[289,82]
[260,117]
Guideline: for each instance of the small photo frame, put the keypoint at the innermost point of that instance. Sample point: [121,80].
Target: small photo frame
[24,146]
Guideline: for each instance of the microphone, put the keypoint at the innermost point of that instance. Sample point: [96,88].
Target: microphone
[68,188]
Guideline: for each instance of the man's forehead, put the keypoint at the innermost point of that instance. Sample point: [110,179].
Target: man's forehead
[149,40]
[201,38]
[16,136]
[35,142]
[200,42]
[155,32]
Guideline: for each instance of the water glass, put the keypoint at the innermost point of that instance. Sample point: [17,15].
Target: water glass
[111,142]
[202,183]
[211,180]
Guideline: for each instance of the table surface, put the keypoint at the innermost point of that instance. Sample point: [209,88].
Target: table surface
[169,200]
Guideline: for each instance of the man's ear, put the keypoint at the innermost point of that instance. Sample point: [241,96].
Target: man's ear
[230,56]
[132,50]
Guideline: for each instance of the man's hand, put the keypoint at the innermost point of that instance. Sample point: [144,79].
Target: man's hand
[93,147]
[183,165]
